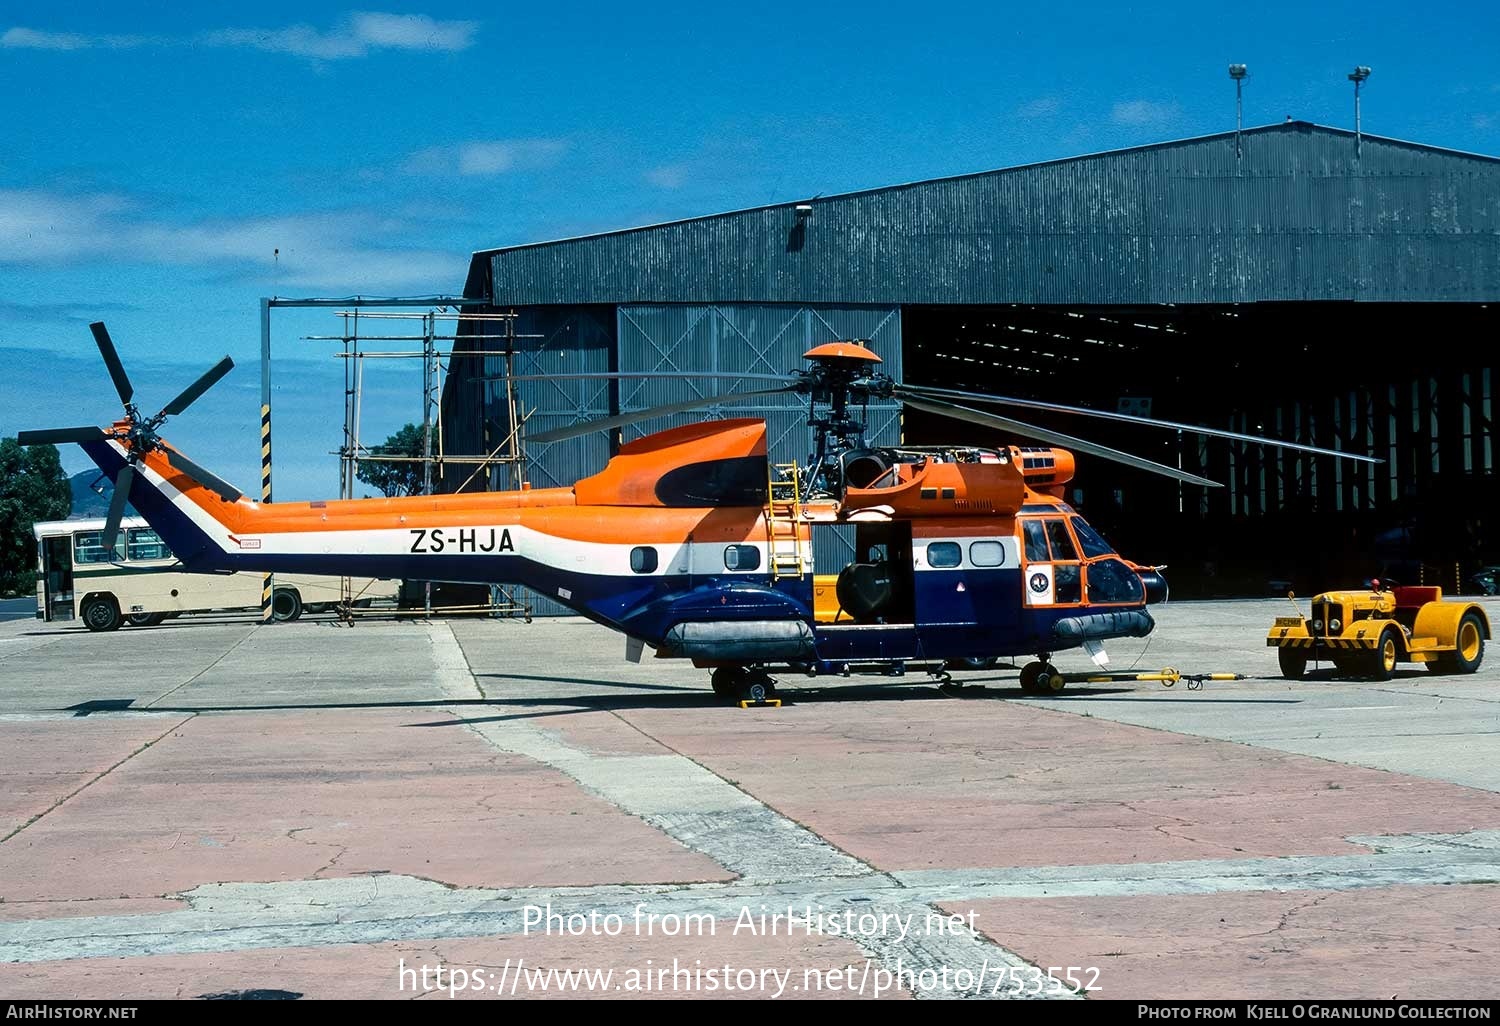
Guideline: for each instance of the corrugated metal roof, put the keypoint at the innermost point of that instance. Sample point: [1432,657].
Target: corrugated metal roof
[1295,216]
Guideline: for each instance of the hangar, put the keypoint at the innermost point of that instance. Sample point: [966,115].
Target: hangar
[1294,280]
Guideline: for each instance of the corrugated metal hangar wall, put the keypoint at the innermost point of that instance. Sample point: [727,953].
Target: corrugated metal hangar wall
[1262,282]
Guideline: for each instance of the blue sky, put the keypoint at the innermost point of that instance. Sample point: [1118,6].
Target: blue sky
[163,169]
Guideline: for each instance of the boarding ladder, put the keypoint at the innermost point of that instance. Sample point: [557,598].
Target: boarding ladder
[783,535]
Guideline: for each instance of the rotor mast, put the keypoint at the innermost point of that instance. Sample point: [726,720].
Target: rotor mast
[839,371]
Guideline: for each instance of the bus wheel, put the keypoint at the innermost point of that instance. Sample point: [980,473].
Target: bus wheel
[101,613]
[286,605]
[145,619]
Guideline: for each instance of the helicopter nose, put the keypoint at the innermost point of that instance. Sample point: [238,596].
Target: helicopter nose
[1156,585]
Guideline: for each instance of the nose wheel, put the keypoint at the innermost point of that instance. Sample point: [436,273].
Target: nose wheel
[1041,678]
[743,684]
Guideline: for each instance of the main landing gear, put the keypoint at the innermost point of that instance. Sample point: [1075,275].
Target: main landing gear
[1041,677]
[743,684]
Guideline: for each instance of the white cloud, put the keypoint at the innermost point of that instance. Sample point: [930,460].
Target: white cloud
[356,36]
[1138,113]
[348,250]
[668,176]
[412,31]
[1041,107]
[482,158]
[19,38]
[492,158]
[30,39]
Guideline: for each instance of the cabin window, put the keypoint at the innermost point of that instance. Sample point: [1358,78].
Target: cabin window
[1062,542]
[643,559]
[944,555]
[1067,579]
[1036,542]
[88,547]
[144,543]
[1112,581]
[987,553]
[1090,541]
[741,557]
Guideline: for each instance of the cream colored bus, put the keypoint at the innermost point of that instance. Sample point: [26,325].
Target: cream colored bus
[142,584]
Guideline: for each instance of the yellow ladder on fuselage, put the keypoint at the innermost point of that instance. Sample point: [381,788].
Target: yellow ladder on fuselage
[783,535]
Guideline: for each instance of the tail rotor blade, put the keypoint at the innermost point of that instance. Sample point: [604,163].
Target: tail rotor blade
[60,436]
[1025,430]
[207,478]
[203,384]
[117,503]
[606,423]
[112,361]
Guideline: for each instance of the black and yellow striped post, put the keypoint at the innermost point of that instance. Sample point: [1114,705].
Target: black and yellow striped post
[267,583]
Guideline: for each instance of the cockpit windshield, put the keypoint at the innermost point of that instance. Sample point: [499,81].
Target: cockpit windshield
[1092,543]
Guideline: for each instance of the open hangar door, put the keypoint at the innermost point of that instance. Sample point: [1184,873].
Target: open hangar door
[1411,384]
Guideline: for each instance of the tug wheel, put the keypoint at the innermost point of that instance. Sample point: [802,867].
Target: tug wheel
[1470,651]
[1293,663]
[1381,663]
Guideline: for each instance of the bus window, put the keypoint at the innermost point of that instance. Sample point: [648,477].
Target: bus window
[1092,543]
[88,547]
[144,543]
[1062,543]
[1036,542]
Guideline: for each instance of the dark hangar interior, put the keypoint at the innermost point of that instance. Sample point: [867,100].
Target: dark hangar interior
[1291,280]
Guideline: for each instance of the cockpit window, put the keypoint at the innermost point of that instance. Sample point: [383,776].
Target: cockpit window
[1112,581]
[1062,544]
[1036,542]
[1092,543]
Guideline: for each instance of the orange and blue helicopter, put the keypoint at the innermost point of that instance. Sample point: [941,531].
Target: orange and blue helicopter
[692,542]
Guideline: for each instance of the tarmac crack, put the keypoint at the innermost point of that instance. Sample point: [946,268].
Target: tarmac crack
[222,656]
[94,780]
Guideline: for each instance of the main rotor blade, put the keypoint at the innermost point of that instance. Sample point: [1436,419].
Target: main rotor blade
[59,436]
[946,409]
[205,477]
[633,375]
[117,503]
[203,384]
[1170,425]
[606,423]
[112,362]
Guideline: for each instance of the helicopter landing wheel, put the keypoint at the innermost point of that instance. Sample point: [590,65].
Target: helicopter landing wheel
[728,681]
[1041,678]
[759,686]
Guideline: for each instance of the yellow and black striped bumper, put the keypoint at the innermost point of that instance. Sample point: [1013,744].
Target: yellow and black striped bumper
[1335,644]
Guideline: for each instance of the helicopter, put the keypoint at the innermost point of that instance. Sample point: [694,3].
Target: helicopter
[689,541]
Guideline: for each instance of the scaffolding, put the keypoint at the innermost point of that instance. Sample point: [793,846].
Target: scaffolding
[508,457]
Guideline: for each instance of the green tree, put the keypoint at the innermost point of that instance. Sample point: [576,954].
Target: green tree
[33,487]
[396,477]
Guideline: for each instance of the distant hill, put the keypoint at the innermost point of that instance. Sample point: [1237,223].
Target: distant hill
[87,502]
